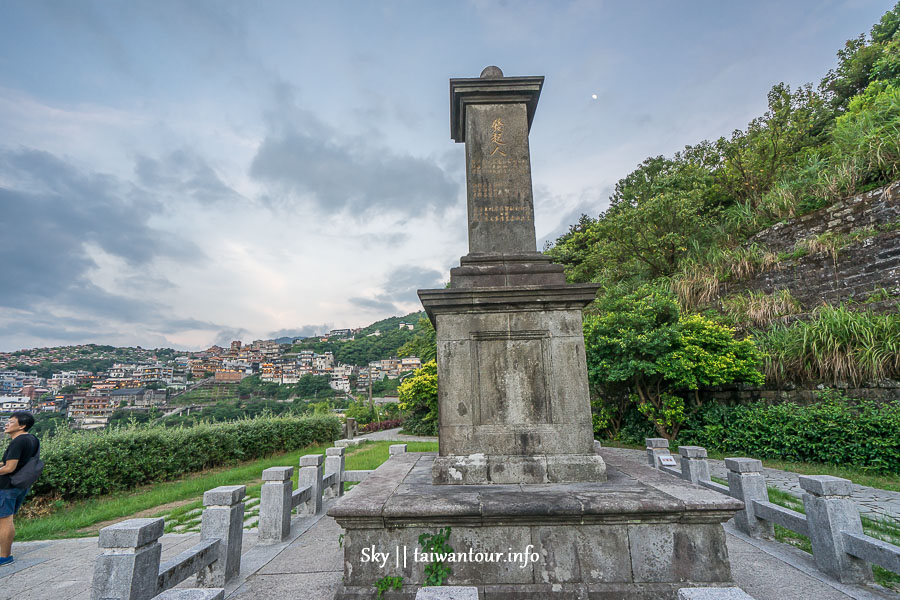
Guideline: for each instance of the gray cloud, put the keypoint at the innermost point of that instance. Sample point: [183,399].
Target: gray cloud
[303,331]
[400,287]
[305,156]
[185,174]
[55,213]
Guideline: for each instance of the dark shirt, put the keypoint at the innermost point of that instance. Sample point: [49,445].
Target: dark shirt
[22,448]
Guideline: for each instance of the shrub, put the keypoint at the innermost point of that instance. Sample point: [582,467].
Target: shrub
[88,464]
[419,400]
[642,343]
[835,430]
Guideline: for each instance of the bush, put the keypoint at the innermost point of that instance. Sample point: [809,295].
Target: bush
[419,400]
[835,430]
[88,464]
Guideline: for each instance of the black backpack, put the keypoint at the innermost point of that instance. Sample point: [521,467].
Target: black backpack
[26,476]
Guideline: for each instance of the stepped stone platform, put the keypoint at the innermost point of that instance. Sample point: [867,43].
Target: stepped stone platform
[639,535]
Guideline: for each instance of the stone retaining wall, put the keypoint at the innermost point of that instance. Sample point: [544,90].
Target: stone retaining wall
[882,391]
[854,273]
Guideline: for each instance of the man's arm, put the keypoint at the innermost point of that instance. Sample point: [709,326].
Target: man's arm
[9,466]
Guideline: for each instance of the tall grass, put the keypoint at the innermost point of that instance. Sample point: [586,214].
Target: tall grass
[759,309]
[702,277]
[836,345]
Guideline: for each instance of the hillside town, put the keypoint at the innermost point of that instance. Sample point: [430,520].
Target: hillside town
[147,379]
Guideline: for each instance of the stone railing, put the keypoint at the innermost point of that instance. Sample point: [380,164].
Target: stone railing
[130,569]
[832,522]
[319,478]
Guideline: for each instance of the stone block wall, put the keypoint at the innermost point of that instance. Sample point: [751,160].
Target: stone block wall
[852,273]
[881,392]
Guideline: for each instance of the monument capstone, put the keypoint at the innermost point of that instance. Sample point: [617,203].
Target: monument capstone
[537,510]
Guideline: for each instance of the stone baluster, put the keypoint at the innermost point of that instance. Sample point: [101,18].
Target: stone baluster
[334,463]
[656,447]
[396,449]
[746,483]
[694,467]
[311,472]
[275,504]
[223,519]
[129,566]
[830,511]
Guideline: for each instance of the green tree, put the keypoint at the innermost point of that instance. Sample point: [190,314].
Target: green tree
[640,344]
[423,345]
[419,400]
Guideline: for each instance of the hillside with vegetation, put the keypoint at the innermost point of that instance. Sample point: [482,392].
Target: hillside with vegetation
[378,341]
[684,235]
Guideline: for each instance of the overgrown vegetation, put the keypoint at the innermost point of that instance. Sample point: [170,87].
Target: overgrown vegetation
[836,345]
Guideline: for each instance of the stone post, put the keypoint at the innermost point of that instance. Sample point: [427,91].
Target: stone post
[192,594]
[275,504]
[694,467]
[746,483]
[334,463]
[129,565]
[396,449]
[656,447]
[311,472]
[830,511]
[352,428]
[223,519]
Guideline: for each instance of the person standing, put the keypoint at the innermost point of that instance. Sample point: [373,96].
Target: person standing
[22,447]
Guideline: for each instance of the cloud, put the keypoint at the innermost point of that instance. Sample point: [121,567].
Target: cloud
[400,287]
[183,174]
[338,173]
[298,332]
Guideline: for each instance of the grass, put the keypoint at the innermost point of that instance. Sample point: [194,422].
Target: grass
[836,345]
[79,519]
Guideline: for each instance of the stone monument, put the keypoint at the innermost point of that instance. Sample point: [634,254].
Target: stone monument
[509,330]
[535,510]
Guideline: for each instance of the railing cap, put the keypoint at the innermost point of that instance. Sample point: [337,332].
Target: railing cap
[132,533]
[397,449]
[334,451]
[692,451]
[224,495]
[743,465]
[278,473]
[657,442]
[825,485]
[312,460]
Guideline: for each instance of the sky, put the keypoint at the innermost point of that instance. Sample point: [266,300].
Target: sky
[178,174]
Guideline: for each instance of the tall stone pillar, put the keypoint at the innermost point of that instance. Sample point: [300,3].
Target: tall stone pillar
[513,392]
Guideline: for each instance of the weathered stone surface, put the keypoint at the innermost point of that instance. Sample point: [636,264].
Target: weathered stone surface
[743,465]
[224,495]
[312,460]
[192,594]
[395,449]
[726,593]
[131,533]
[584,534]
[825,485]
[829,513]
[275,510]
[129,576]
[278,473]
[447,593]
[692,451]
[224,522]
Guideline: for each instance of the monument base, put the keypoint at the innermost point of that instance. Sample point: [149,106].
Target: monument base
[641,535]
[478,469]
